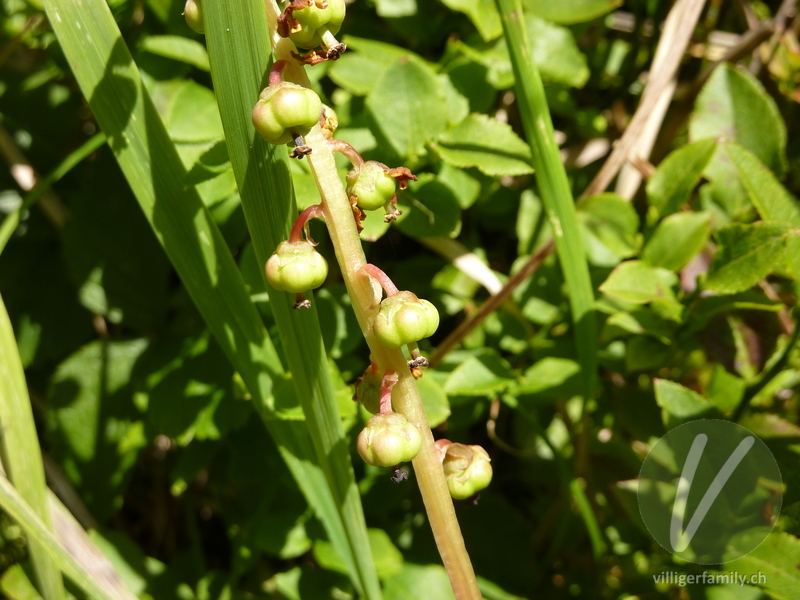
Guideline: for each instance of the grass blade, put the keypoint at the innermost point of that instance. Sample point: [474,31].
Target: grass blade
[557,197]
[21,455]
[553,186]
[40,536]
[110,81]
[238,67]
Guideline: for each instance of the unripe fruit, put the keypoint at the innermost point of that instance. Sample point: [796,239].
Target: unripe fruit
[403,318]
[296,267]
[388,439]
[284,110]
[466,469]
[371,184]
[193,13]
[317,18]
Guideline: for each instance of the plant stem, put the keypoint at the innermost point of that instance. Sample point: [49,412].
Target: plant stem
[405,396]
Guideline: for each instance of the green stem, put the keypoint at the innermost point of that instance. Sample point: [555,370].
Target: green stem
[405,396]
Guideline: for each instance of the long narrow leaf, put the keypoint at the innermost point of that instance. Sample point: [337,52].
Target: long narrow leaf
[21,455]
[238,66]
[110,81]
[39,535]
[553,186]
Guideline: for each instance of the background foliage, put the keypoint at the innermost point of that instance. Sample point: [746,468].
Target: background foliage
[149,435]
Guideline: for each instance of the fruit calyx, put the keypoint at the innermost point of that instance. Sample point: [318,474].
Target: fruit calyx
[467,469]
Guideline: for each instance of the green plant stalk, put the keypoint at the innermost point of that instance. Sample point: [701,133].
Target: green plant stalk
[555,191]
[238,67]
[405,396]
[110,81]
[21,454]
[39,535]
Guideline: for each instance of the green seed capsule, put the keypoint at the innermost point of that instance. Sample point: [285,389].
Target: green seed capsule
[296,267]
[315,20]
[371,185]
[388,440]
[403,318]
[284,110]
[467,470]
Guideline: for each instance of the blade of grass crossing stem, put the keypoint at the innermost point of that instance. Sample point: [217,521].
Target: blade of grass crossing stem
[110,81]
[555,191]
[21,454]
[239,64]
[39,535]
[553,186]
[75,157]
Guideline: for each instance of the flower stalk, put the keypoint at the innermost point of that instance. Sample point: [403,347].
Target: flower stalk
[405,396]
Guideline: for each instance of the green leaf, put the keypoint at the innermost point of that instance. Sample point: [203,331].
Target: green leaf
[675,178]
[734,106]
[678,403]
[725,390]
[568,12]
[482,142]
[481,375]
[178,48]
[409,107]
[556,53]
[644,352]
[483,15]
[777,559]
[434,400]
[388,558]
[190,111]
[22,458]
[392,9]
[771,199]
[636,281]
[429,209]
[610,226]
[747,254]
[419,581]
[357,72]
[551,376]
[677,239]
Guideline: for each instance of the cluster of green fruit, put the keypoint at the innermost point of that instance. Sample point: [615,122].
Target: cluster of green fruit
[285,113]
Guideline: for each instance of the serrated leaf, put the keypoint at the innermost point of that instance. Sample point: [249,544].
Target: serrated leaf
[747,254]
[177,48]
[482,142]
[777,559]
[409,106]
[677,239]
[568,12]
[679,403]
[677,175]
[479,376]
[636,281]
